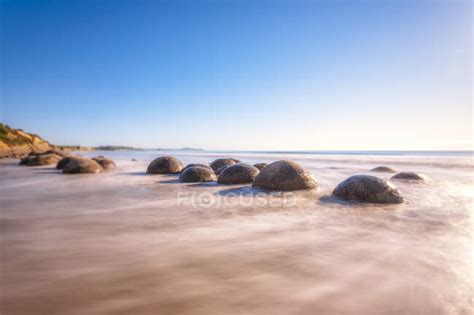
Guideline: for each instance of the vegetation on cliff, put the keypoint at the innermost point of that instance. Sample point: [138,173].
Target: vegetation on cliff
[12,136]
[16,142]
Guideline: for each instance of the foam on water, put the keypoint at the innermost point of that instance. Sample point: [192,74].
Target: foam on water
[128,243]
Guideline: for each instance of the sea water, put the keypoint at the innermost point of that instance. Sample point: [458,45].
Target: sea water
[125,242]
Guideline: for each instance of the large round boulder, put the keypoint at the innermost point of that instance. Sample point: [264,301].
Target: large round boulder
[193,174]
[65,161]
[42,159]
[82,165]
[107,164]
[260,166]
[383,169]
[239,173]
[285,175]
[410,176]
[219,163]
[366,188]
[197,164]
[165,165]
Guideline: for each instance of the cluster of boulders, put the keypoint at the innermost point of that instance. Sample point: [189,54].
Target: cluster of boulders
[69,164]
[284,175]
[80,165]
[409,176]
[83,165]
[42,158]
[281,175]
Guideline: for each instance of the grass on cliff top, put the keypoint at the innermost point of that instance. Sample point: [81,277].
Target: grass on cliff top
[18,139]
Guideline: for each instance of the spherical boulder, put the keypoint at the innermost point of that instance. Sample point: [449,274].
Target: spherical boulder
[238,173]
[197,164]
[411,176]
[107,164]
[260,166]
[193,174]
[165,165]
[82,165]
[285,175]
[43,159]
[65,161]
[366,188]
[219,163]
[383,169]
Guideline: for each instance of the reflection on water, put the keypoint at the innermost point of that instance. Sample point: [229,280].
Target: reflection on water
[119,243]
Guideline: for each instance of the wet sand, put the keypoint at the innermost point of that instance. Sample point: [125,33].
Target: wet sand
[128,243]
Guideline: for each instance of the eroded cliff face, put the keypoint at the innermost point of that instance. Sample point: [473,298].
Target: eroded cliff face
[17,143]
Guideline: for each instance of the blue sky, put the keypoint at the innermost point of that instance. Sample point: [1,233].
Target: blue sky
[255,75]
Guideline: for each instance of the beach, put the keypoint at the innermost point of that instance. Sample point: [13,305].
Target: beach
[125,242]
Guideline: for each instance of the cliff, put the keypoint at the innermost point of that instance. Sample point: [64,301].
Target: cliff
[17,143]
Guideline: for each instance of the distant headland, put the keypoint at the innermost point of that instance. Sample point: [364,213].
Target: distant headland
[16,143]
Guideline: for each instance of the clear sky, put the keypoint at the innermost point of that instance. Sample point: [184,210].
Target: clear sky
[240,75]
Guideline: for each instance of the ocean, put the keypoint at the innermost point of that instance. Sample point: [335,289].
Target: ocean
[125,242]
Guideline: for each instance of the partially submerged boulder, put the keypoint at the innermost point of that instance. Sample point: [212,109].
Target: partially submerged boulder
[366,188]
[42,159]
[64,161]
[383,169]
[197,164]
[239,173]
[219,163]
[81,165]
[411,176]
[107,164]
[260,166]
[165,165]
[285,175]
[193,174]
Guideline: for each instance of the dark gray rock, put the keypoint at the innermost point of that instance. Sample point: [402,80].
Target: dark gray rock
[107,164]
[193,174]
[81,165]
[383,169]
[238,173]
[411,176]
[219,163]
[260,166]
[366,188]
[285,175]
[165,165]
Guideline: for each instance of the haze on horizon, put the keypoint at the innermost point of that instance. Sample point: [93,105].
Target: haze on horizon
[240,75]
